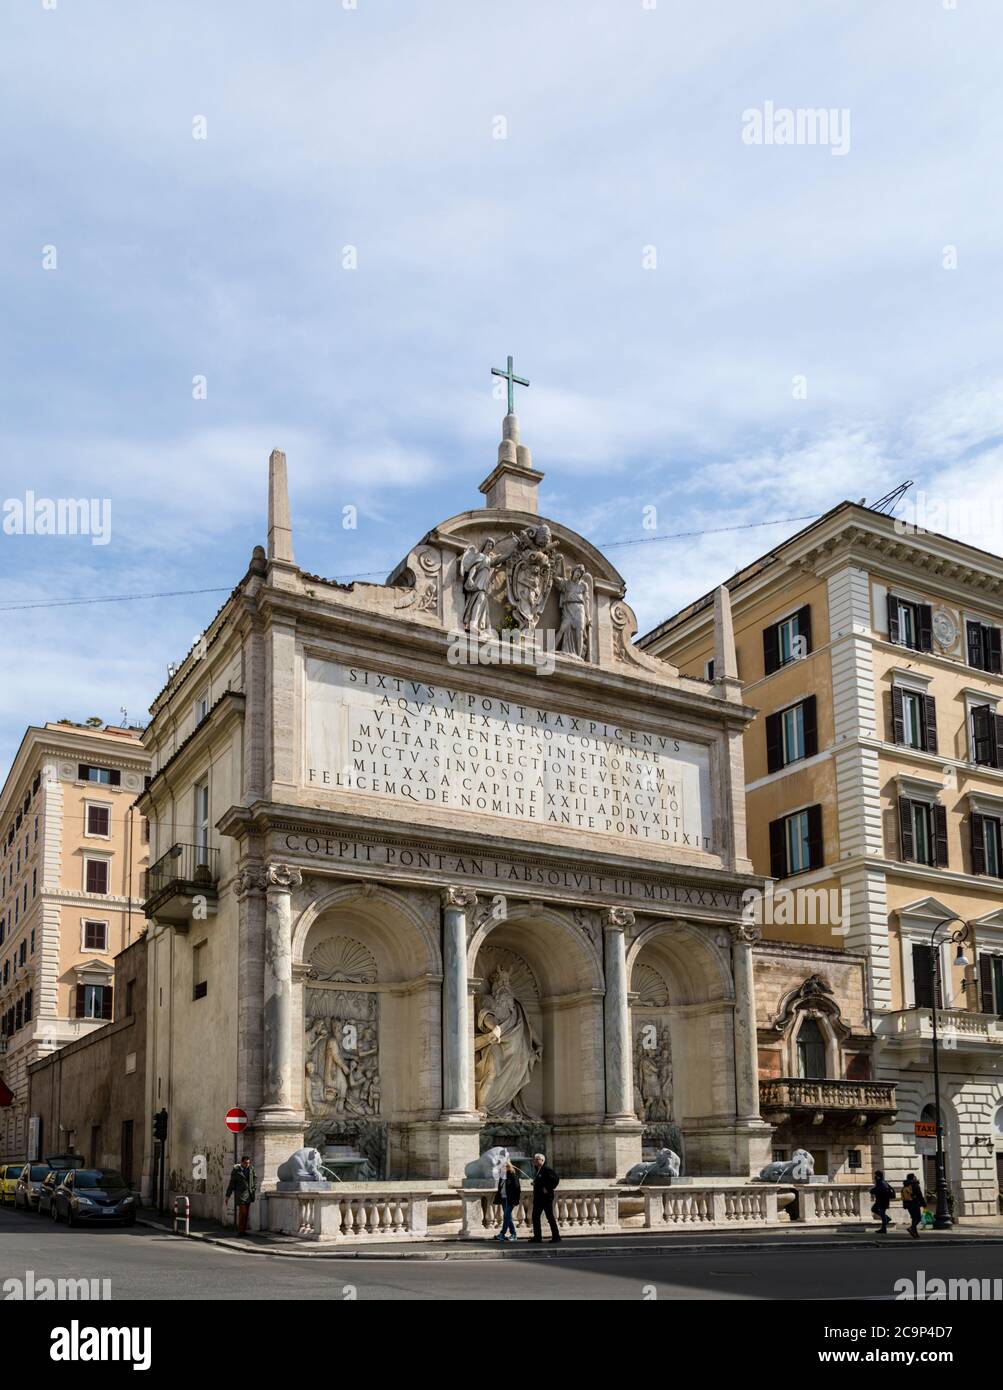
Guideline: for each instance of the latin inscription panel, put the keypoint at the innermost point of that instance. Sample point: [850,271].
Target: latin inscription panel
[418,744]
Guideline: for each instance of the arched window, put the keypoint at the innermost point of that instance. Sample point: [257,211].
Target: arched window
[811,1051]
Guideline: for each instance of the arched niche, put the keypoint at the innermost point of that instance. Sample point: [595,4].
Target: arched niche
[556,975]
[367,969]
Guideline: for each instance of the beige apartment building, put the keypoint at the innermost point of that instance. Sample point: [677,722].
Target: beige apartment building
[72,855]
[875,774]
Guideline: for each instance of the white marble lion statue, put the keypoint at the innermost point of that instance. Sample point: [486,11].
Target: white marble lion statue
[666,1164]
[489,1167]
[799,1168]
[302,1166]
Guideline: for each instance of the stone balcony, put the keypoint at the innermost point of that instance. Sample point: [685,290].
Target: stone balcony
[181,879]
[852,1102]
[961,1032]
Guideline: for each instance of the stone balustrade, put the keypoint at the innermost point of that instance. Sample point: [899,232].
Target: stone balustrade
[348,1216]
[793,1093]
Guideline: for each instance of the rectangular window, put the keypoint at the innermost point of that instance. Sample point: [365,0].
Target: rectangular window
[987,845]
[202,821]
[94,1001]
[796,842]
[984,650]
[987,735]
[130,998]
[791,734]
[201,708]
[105,776]
[923,977]
[914,719]
[923,832]
[99,821]
[787,641]
[95,936]
[96,880]
[910,624]
[200,985]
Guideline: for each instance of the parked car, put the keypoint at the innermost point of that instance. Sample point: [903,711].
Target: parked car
[92,1194]
[9,1174]
[29,1185]
[49,1184]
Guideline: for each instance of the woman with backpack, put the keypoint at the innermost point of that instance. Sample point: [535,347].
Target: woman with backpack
[914,1201]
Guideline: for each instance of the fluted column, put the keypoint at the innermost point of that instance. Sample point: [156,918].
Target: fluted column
[457,1095]
[279,1092]
[744,939]
[616,1015]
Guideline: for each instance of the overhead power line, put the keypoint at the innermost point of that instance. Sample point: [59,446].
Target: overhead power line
[369,574]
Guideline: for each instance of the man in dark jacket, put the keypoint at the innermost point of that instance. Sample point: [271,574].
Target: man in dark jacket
[545,1180]
[241,1185]
[882,1193]
[914,1200]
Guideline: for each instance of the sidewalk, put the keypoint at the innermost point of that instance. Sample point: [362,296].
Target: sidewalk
[981,1231]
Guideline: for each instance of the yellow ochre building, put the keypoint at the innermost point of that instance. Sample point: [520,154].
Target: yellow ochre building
[874,773]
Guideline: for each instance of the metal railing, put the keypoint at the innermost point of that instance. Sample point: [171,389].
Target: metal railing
[195,865]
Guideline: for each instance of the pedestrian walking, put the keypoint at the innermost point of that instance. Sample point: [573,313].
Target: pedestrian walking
[545,1182]
[507,1197]
[914,1201]
[241,1186]
[882,1193]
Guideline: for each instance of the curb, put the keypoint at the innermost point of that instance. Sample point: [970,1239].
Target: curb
[477,1252]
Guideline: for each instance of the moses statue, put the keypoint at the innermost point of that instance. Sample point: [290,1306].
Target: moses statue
[506,1050]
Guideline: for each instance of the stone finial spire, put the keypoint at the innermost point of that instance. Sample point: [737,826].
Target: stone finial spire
[280,526]
[513,482]
[725,659]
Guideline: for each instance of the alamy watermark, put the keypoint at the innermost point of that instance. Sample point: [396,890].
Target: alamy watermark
[505,648]
[32,1289]
[58,516]
[800,125]
[922,514]
[937,1290]
[797,907]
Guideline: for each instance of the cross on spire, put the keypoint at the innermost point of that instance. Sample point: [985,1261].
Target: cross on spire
[512,380]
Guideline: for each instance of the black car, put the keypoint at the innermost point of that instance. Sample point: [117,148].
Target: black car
[92,1194]
[29,1186]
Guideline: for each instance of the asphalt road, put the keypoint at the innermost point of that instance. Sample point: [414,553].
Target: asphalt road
[145,1264]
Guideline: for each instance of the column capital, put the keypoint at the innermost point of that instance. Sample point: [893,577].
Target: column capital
[283,877]
[458,896]
[745,934]
[252,879]
[617,919]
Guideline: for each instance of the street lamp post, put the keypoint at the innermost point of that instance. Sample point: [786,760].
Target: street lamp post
[942,1217]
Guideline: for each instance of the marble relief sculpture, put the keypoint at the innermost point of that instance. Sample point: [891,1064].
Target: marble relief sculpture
[653,1073]
[341,1072]
[529,573]
[506,1050]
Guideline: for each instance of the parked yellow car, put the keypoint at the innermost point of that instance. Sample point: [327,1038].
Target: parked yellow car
[9,1174]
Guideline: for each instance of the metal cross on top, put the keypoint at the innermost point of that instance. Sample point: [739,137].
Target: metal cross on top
[512,380]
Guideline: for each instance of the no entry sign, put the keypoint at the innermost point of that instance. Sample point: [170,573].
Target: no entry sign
[236,1120]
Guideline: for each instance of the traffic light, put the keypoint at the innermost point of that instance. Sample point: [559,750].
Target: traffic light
[160,1125]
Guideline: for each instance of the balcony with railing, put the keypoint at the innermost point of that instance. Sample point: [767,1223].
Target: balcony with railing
[959,1031]
[181,881]
[856,1102]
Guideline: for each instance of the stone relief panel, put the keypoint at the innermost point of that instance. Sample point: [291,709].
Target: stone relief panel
[652,1070]
[341,1026]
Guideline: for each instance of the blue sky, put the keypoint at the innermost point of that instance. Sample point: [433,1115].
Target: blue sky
[373,127]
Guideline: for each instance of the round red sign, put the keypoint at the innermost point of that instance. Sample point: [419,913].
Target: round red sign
[236,1120]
